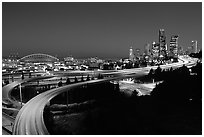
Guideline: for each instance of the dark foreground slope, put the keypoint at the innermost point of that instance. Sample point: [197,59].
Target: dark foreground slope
[173,108]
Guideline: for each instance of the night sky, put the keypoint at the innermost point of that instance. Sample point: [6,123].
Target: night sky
[106,30]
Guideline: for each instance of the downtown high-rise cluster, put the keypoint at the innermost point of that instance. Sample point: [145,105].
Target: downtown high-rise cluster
[160,51]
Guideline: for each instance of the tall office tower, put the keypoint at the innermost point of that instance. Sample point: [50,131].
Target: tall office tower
[173,47]
[131,54]
[189,50]
[180,50]
[155,50]
[162,43]
[147,50]
[137,52]
[194,46]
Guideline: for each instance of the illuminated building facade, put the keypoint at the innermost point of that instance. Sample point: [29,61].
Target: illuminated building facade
[131,54]
[162,43]
[173,47]
[147,50]
[155,50]
[194,46]
[69,61]
[180,50]
[137,52]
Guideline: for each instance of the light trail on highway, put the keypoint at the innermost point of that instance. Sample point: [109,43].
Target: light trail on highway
[31,122]
[6,90]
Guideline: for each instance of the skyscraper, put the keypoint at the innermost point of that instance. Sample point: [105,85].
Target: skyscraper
[147,50]
[162,43]
[194,46]
[131,54]
[180,50]
[155,50]
[189,50]
[173,47]
[137,53]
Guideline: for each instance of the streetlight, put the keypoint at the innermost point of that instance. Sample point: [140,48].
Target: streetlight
[21,100]
[9,78]
[67,98]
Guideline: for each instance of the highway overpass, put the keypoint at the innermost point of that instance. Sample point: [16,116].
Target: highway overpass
[31,122]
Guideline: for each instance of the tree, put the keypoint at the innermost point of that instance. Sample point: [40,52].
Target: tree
[171,69]
[29,74]
[88,78]
[136,64]
[68,81]
[75,80]
[60,84]
[200,54]
[92,78]
[129,65]
[158,70]
[151,73]
[158,73]
[22,75]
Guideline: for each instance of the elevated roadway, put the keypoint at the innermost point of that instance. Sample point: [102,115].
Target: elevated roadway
[30,121]
[6,90]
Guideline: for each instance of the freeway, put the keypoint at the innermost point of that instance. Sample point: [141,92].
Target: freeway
[31,122]
[6,90]
[20,73]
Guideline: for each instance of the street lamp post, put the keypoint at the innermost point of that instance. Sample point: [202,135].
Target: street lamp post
[67,98]
[9,79]
[21,100]
[12,78]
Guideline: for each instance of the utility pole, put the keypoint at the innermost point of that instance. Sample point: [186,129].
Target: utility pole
[12,78]
[21,100]
[67,98]
[9,79]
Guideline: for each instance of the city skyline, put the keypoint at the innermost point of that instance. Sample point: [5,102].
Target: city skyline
[106,30]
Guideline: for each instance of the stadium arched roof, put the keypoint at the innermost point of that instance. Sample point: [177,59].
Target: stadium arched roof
[39,58]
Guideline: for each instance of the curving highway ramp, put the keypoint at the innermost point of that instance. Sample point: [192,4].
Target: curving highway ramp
[6,90]
[30,121]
